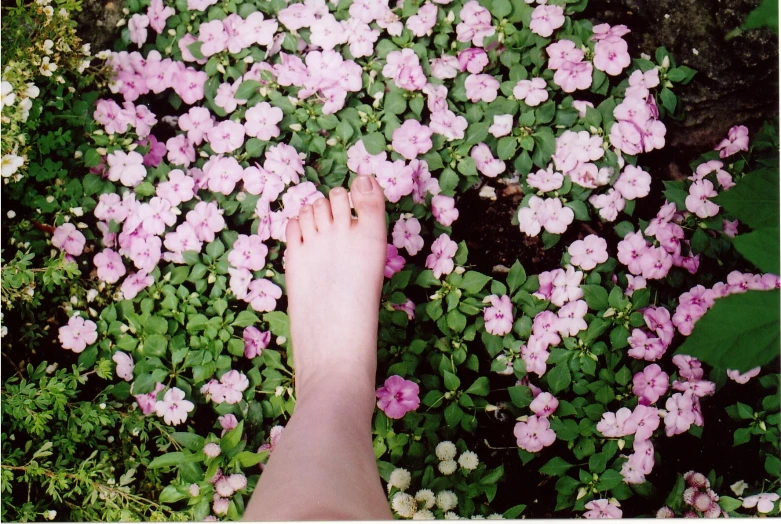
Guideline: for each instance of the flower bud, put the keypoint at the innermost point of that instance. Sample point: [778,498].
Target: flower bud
[279,391]
[281,341]
[581,493]
[666,63]
[459,271]
[295,127]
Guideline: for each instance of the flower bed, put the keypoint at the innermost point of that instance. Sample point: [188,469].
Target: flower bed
[572,374]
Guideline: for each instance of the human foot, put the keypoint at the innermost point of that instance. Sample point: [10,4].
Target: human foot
[334,269]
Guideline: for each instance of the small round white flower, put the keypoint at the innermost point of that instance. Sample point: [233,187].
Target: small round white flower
[448,467]
[446,450]
[50,515]
[211,450]
[450,515]
[194,490]
[495,516]
[423,514]
[404,505]
[468,460]
[400,478]
[425,498]
[446,500]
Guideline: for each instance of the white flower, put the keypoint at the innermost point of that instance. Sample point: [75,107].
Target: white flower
[400,478]
[50,515]
[426,498]
[446,450]
[48,45]
[738,487]
[49,10]
[452,516]
[468,460]
[495,516]
[85,49]
[47,68]
[194,490]
[423,514]
[7,95]
[446,500]
[404,505]
[447,467]
[763,501]
[10,164]
[32,90]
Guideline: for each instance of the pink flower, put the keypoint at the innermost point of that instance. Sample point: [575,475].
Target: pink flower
[406,234]
[412,139]
[602,509]
[126,168]
[680,414]
[440,261]
[532,91]
[158,15]
[499,317]
[248,252]
[485,161]
[227,423]
[562,52]
[137,28]
[546,19]
[361,162]
[554,216]
[502,126]
[697,202]
[225,137]
[206,220]
[173,408]
[393,261]
[481,87]
[544,404]
[608,204]
[261,121]
[735,375]
[445,67]
[688,367]
[765,502]
[611,56]
[571,321]
[78,334]
[534,434]
[146,401]
[67,238]
[136,283]
[263,295]
[448,124]
[631,251]
[650,384]
[589,252]
[545,180]
[546,328]
[529,217]
[197,121]
[619,424]
[109,265]
[475,24]
[156,215]
[124,365]
[473,60]
[283,160]
[189,85]
[408,308]
[535,356]
[644,347]
[398,396]
[395,178]
[444,210]
[633,183]
[647,420]
[736,141]
[180,151]
[112,117]
[632,470]
[423,21]
[177,189]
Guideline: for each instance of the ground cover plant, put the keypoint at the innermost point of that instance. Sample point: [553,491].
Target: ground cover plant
[575,383]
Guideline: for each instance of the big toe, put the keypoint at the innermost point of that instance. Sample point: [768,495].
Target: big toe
[368,201]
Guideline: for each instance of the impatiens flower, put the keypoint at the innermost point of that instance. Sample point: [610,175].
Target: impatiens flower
[395,179]
[633,183]
[136,283]
[736,141]
[481,87]
[546,19]
[263,295]
[545,180]
[173,408]
[544,404]
[589,252]
[534,434]
[554,216]
[680,414]
[688,367]
[248,252]
[440,261]
[499,317]
[124,365]
[78,334]
[69,239]
[618,424]
[735,375]
[612,56]
[398,396]
[645,347]
[763,501]
[448,124]
[532,91]
[261,121]
[502,126]
[444,210]
[109,266]
[697,202]
[406,234]
[147,401]
[473,60]
[602,509]
[227,423]
[393,261]
[647,420]
[255,341]
[412,139]
[126,168]
[650,384]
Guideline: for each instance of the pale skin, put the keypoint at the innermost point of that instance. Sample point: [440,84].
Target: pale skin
[323,466]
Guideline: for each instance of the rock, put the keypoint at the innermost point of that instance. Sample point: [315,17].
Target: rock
[97,23]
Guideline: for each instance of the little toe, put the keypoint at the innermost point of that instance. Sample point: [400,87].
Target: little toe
[323,218]
[306,220]
[340,206]
[369,201]
[293,233]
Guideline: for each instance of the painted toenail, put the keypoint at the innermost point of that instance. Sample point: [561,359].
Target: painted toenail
[364,184]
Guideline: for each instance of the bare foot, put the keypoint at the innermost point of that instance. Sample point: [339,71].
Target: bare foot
[334,271]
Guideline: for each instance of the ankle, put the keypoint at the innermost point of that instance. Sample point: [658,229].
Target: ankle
[348,388]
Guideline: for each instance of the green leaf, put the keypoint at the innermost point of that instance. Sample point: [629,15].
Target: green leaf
[516,277]
[761,248]
[506,147]
[479,387]
[754,200]
[595,296]
[453,415]
[456,320]
[191,441]
[669,101]
[232,438]
[501,9]
[521,396]
[169,459]
[247,89]
[739,332]
[773,466]
[765,15]
[155,345]
[513,512]
[395,102]
[555,467]
[609,479]
[473,282]
[171,494]
[729,504]
[374,143]
[248,459]
[675,499]
[245,318]
[558,378]
[452,382]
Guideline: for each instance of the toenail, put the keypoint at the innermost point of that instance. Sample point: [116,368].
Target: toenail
[364,184]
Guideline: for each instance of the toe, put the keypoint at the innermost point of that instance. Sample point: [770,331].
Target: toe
[369,201]
[323,218]
[340,206]
[293,232]
[306,219]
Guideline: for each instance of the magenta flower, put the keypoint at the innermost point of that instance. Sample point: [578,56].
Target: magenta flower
[440,261]
[146,401]
[534,434]
[544,404]
[255,341]
[69,239]
[398,396]
[444,210]
[602,509]
[644,347]
[173,408]
[78,334]
[393,261]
